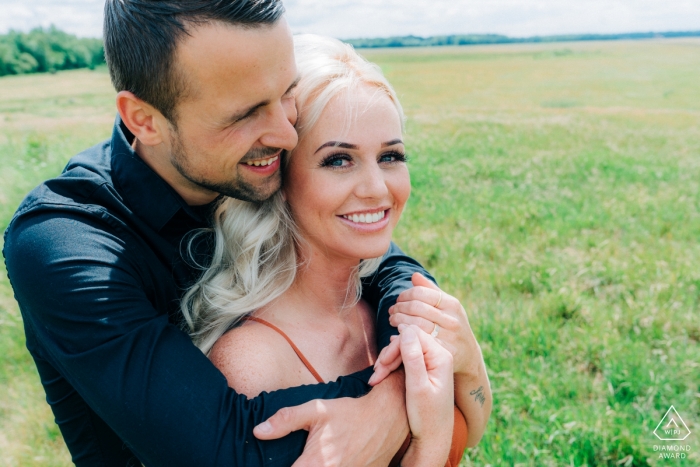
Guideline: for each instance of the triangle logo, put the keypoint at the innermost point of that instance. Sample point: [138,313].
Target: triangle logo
[672,427]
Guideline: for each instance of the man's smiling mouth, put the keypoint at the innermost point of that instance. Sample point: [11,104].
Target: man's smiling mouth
[263,162]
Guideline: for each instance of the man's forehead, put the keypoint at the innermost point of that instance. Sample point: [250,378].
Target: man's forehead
[234,62]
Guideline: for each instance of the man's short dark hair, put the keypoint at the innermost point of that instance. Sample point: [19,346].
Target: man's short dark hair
[141,36]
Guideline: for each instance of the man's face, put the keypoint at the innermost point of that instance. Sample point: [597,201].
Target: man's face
[237,116]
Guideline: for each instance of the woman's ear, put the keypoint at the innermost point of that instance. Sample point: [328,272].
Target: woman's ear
[143,120]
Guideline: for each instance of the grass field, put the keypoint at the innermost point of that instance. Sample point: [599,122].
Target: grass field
[556,192]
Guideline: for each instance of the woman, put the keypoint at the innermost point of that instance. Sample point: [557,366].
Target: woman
[286,273]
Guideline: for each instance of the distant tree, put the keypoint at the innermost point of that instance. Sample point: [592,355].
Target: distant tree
[474,39]
[47,50]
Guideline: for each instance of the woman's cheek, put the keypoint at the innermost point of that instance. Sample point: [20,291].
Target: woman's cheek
[401,188]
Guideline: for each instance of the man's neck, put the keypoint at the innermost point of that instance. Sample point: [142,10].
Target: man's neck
[159,161]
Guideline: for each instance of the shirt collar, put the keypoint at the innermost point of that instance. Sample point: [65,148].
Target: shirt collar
[144,191]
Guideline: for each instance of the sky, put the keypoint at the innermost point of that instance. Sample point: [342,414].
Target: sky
[381,18]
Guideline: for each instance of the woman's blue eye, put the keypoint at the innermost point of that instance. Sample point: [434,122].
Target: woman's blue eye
[392,157]
[336,161]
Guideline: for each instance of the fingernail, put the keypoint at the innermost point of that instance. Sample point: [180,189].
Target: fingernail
[409,335]
[264,427]
[402,327]
[372,378]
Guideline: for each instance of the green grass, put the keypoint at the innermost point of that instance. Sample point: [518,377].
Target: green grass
[556,192]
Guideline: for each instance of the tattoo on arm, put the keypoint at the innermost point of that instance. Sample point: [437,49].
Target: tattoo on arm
[479,395]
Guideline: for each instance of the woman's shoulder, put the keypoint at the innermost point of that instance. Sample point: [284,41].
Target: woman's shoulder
[255,359]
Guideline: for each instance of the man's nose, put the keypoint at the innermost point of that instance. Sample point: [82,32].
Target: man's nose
[281,132]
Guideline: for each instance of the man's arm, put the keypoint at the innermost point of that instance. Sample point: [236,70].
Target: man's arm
[383,288]
[85,303]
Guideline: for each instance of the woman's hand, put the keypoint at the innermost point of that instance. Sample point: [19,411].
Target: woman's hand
[426,306]
[429,397]
[417,306]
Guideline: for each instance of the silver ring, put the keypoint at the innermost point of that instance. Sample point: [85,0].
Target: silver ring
[436,330]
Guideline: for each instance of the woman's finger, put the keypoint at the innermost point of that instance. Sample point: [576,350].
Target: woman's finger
[423,294]
[382,370]
[400,318]
[419,280]
[390,353]
[417,308]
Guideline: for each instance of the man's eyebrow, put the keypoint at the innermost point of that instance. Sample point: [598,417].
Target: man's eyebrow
[293,85]
[392,142]
[336,144]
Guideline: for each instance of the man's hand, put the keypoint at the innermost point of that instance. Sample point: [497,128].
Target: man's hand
[367,431]
[429,397]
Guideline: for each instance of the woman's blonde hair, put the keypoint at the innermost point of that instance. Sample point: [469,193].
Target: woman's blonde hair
[256,245]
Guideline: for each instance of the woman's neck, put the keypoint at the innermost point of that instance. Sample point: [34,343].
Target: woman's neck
[324,282]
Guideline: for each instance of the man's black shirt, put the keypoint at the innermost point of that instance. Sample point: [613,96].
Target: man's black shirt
[95,258]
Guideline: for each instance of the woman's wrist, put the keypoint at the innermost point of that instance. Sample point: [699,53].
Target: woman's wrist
[475,369]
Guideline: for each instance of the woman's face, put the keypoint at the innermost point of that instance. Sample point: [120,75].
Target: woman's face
[347,180]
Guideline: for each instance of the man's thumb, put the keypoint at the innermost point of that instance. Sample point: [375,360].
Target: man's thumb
[413,360]
[419,280]
[286,420]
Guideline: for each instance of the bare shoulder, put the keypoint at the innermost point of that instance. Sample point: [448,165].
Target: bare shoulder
[254,359]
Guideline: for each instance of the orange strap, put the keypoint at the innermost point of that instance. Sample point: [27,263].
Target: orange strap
[294,347]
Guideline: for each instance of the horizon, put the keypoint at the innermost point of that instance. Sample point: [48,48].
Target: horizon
[484,34]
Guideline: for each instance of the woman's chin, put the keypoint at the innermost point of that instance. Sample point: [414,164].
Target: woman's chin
[367,250]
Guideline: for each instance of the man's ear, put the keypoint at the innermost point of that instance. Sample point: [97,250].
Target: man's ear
[145,122]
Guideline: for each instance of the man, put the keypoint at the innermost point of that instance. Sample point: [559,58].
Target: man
[95,256]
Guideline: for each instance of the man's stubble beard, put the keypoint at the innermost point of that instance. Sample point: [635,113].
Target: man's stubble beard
[238,188]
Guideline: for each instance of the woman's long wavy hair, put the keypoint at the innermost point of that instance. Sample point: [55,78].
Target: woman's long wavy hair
[257,245]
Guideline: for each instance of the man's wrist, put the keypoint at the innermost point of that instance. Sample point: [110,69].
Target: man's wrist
[420,457]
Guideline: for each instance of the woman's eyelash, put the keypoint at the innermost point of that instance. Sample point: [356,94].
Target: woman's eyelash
[398,156]
[331,158]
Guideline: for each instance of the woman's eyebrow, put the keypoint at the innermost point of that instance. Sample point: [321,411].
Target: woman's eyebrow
[392,142]
[336,144]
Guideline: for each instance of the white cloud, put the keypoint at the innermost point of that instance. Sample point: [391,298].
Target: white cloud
[376,18]
[80,17]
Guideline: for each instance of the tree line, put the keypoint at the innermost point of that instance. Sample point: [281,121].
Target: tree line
[476,39]
[51,50]
[47,50]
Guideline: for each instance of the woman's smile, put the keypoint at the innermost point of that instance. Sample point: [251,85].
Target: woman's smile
[367,221]
[347,181]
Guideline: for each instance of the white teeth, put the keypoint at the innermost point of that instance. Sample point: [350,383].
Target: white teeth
[366,218]
[264,162]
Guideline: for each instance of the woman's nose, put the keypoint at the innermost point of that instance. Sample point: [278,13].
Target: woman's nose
[372,183]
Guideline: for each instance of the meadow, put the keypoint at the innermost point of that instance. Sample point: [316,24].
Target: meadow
[556,192]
